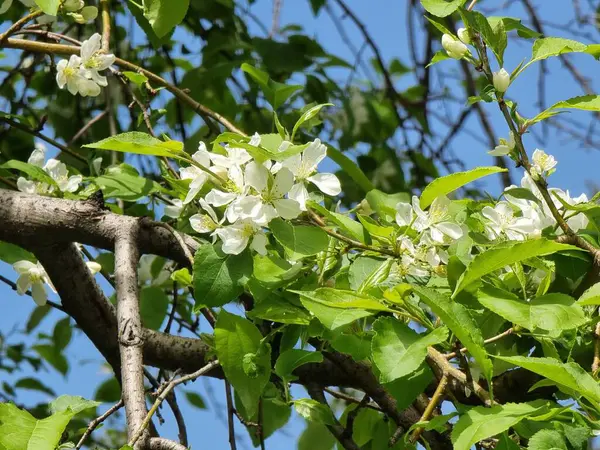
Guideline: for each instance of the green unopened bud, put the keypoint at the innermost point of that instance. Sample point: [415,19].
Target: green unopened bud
[86,15]
[501,80]
[73,5]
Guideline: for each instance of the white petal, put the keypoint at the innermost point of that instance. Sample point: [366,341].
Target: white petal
[90,46]
[93,266]
[300,194]
[259,244]
[38,292]
[72,183]
[450,229]
[284,180]
[202,223]
[255,140]
[257,176]
[233,238]
[327,183]
[287,208]
[219,198]
[293,163]
[26,186]
[202,156]
[38,156]
[491,214]
[24,266]
[314,154]
[404,214]
[23,283]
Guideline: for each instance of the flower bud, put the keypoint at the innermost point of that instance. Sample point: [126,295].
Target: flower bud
[463,35]
[501,80]
[454,47]
[86,15]
[73,5]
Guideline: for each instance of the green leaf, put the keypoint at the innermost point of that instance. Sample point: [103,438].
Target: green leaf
[571,375]
[441,8]
[385,204]
[33,384]
[306,116]
[351,168]
[449,183]
[342,299]
[316,436]
[510,23]
[218,276]
[481,422]
[53,356]
[548,312]
[504,255]
[547,440]
[49,7]
[291,359]
[584,103]
[313,411]
[278,309]
[236,337]
[19,430]
[195,399]
[61,335]
[137,11]
[164,15]
[552,46]
[437,57]
[72,403]
[347,226]
[154,304]
[399,350]
[299,240]
[124,182]
[276,93]
[456,317]
[10,253]
[330,316]
[35,173]
[140,143]
[137,78]
[591,296]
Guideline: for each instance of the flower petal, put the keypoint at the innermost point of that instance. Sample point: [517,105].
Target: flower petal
[287,208]
[300,194]
[38,292]
[327,183]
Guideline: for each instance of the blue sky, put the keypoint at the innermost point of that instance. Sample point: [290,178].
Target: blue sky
[385,20]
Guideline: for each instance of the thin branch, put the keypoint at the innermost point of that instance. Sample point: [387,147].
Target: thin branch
[350,399]
[39,135]
[19,24]
[165,392]
[60,49]
[435,399]
[487,341]
[230,414]
[87,126]
[97,421]
[336,429]
[472,5]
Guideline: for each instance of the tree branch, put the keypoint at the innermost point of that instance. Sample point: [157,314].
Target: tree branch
[131,336]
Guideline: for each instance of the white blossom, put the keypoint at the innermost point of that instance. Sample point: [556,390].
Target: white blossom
[236,237]
[543,163]
[93,60]
[197,175]
[33,276]
[463,35]
[501,80]
[502,221]
[435,219]
[303,167]
[93,267]
[59,173]
[205,223]
[270,201]
[505,147]
[57,170]
[174,210]
[455,48]
[231,194]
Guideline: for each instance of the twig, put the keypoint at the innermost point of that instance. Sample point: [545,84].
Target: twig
[350,399]
[179,239]
[230,414]
[19,24]
[336,429]
[97,421]
[435,399]
[472,5]
[356,244]
[39,135]
[60,49]
[487,341]
[351,417]
[87,126]
[189,377]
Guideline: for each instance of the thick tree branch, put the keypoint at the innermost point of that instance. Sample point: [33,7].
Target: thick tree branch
[130,332]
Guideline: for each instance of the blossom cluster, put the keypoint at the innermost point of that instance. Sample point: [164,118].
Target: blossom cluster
[81,74]
[245,195]
[55,169]
[73,8]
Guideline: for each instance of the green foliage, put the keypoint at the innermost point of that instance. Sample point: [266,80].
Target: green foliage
[276,93]
[164,15]
[140,143]
[299,240]
[441,8]
[218,276]
[236,337]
